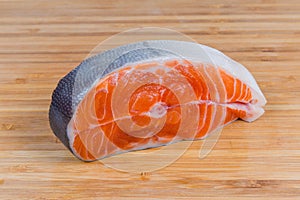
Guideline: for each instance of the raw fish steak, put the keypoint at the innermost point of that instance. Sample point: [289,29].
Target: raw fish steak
[148,94]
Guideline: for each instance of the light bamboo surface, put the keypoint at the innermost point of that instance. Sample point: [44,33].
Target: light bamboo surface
[40,41]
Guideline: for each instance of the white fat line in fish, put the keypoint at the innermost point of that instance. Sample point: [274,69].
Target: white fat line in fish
[212,83]
[234,105]
[234,90]
[241,91]
[213,114]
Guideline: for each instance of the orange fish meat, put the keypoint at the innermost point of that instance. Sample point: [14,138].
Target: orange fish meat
[149,94]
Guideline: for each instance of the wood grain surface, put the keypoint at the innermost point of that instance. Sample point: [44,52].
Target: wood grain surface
[40,41]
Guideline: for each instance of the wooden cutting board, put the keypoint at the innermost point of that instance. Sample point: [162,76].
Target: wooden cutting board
[40,41]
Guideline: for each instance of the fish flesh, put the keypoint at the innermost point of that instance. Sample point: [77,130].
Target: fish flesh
[148,94]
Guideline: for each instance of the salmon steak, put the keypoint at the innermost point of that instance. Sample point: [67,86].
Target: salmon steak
[149,94]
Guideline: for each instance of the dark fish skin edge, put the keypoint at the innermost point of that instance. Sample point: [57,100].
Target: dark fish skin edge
[60,112]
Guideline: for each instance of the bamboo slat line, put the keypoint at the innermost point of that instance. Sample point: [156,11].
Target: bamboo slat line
[41,41]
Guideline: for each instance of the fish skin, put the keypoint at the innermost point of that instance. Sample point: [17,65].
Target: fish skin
[137,55]
[60,112]
[72,88]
